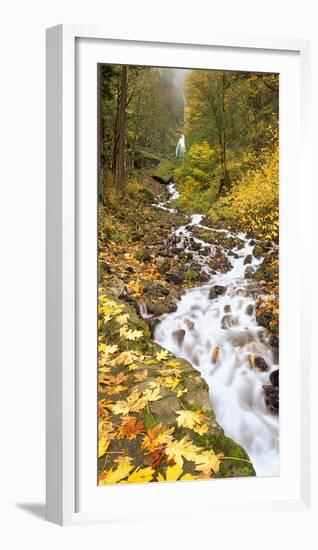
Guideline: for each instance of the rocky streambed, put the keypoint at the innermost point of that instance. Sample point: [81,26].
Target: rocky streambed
[220,325]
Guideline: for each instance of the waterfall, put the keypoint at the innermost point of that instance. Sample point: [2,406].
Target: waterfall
[181,149]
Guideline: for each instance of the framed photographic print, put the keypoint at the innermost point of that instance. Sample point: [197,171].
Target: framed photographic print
[177,192]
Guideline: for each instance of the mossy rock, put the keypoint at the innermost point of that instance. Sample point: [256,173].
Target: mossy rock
[191,393]
[164,172]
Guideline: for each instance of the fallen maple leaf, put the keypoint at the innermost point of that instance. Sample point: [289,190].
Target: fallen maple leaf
[207,462]
[157,436]
[130,334]
[141,475]
[173,473]
[184,448]
[130,428]
[141,376]
[189,419]
[103,443]
[114,475]
[104,406]
[124,358]
[152,395]
[162,354]
[122,319]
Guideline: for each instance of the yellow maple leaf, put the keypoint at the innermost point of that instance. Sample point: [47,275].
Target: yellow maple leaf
[189,419]
[207,461]
[152,395]
[122,319]
[124,358]
[141,475]
[114,475]
[182,392]
[141,376]
[184,448]
[201,430]
[173,364]
[130,334]
[156,436]
[162,354]
[135,403]
[173,473]
[103,443]
[171,382]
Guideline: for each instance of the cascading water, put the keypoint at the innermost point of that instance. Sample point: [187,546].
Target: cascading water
[220,336]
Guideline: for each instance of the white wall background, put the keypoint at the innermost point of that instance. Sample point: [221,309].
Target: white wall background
[22,126]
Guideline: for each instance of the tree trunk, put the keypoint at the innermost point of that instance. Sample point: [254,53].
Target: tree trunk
[120,160]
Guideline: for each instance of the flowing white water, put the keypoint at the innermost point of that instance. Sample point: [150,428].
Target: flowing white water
[222,324]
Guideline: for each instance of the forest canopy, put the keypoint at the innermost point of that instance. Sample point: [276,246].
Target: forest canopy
[230,123]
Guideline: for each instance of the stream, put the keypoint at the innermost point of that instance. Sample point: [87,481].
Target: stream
[219,334]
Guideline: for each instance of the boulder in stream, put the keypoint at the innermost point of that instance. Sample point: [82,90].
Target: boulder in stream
[216,290]
[272,398]
[178,336]
[229,321]
[274,378]
[248,259]
[175,277]
[257,362]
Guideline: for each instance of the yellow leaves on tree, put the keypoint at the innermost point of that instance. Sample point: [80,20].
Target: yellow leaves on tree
[255,201]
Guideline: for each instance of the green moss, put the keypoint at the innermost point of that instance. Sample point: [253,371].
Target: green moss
[140,193]
[164,172]
[191,275]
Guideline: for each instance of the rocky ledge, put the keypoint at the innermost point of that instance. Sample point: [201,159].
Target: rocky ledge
[156,422]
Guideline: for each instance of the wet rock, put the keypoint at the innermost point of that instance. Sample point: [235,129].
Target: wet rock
[257,362]
[205,251]
[274,378]
[162,264]
[248,259]
[189,324]
[249,309]
[215,355]
[116,286]
[158,307]
[216,290]
[192,275]
[258,251]
[196,246]
[157,289]
[220,262]
[229,321]
[274,340]
[227,308]
[271,396]
[152,322]
[204,277]
[143,255]
[178,336]
[249,270]
[175,277]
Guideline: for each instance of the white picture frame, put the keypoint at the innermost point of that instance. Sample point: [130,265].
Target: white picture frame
[71,497]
